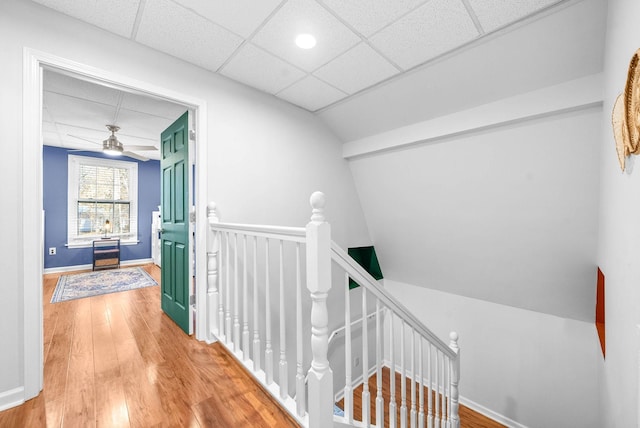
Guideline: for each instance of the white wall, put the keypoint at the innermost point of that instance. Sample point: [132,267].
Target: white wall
[619,243]
[265,156]
[533,369]
[506,214]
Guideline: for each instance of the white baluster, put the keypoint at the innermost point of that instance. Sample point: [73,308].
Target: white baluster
[379,398]
[213,254]
[443,399]
[245,302]
[430,387]
[284,378]
[421,374]
[403,380]
[268,353]
[414,413]
[393,415]
[236,299]
[445,391]
[448,376]
[366,396]
[348,388]
[455,378]
[227,324]
[436,409]
[300,387]
[256,321]
[320,384]
[223,256]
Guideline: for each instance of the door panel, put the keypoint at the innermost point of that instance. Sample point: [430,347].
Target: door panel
[180,197]
[175,226]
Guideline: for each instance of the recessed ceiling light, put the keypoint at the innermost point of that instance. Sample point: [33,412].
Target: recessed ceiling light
[305,41]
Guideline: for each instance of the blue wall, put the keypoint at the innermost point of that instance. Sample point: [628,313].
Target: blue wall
[55,171]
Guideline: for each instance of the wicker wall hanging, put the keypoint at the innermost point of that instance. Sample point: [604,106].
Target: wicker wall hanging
[626,114]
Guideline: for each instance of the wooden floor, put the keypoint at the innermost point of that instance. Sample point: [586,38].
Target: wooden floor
[468,418]
[117,361]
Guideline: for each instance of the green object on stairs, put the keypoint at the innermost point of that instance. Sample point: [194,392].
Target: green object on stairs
[366,257]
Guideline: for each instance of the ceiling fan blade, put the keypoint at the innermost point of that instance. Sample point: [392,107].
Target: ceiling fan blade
[141,148]
[85,150]
[135,156]
[84,139]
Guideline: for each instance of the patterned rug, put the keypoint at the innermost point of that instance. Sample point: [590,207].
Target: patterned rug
[89,284]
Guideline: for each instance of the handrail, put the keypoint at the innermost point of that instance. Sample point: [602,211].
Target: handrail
[338,330]
[321,251]
[362,277]
[296,234]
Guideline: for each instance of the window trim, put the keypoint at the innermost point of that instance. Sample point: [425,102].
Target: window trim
[74,162]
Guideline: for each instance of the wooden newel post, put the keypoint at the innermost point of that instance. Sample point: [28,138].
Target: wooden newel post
[320,384]
[455,379]
[213,252]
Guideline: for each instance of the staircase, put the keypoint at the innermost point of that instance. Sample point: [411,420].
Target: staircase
[274,294]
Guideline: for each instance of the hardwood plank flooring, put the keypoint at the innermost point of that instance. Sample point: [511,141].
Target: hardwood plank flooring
[117,360]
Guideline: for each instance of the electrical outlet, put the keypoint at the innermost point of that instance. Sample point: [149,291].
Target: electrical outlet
[356,362]
[52,251]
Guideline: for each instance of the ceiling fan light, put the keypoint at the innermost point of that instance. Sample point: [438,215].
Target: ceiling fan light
[112,152]
[111,146]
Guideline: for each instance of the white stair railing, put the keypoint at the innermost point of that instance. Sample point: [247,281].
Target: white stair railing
[249,279]
[411,350]
[254,272]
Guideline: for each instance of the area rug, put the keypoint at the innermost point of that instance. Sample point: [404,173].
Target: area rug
[80,285]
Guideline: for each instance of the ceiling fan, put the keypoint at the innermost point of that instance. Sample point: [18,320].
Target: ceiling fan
[112,146]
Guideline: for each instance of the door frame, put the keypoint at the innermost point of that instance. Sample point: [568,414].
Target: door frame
[31,249]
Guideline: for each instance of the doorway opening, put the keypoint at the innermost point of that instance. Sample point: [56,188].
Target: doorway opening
[32,207]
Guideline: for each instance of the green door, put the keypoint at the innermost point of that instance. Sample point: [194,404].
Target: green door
[175,223]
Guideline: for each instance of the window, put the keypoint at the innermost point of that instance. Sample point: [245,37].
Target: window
[103,200]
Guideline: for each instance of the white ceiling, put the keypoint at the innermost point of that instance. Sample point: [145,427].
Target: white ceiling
[76,112]
[361,43]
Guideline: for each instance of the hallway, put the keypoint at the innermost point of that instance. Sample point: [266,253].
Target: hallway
[117,361]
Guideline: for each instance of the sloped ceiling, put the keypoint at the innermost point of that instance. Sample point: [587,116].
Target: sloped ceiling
[562,44]
[360,43]
[507,214]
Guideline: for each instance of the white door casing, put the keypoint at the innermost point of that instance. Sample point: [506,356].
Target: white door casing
[32,246]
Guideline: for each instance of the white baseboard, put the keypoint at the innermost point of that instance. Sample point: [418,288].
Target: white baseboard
[356,382]
[90,266]
[12,398]
[490,413]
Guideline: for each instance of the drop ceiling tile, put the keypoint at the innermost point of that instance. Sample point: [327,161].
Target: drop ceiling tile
[152,106]
[368,16]
[494,14]
[311,93]
[259,69]
[51,138]
[63,84]
[48,126]
[170,28]
[142,125]
[66,110]
[356,69]
[46,116]
[430,30]
[242,17]
[116,16]
[305,16]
